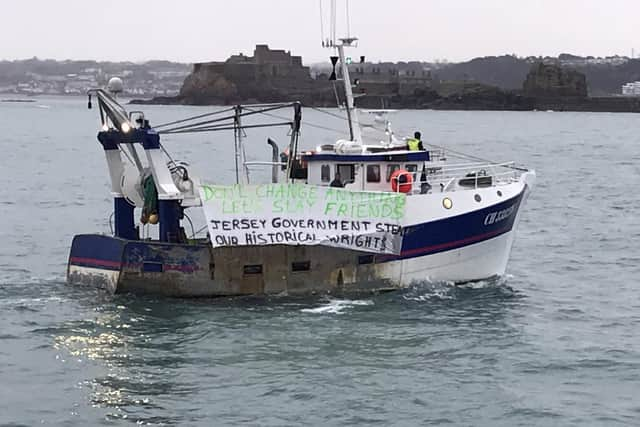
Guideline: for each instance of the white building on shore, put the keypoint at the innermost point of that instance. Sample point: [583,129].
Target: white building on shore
[631,89]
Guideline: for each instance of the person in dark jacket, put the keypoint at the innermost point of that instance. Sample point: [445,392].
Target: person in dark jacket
[336,181]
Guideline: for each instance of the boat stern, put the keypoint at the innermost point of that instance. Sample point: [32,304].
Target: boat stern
[96,260]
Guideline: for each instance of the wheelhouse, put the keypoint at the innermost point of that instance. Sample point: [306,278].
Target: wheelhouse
[370,171]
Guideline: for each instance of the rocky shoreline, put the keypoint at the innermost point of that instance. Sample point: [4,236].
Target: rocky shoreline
[505,101]
[249,80]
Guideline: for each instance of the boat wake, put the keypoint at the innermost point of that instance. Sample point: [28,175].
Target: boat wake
[443,291]
[337,306]
[429,292]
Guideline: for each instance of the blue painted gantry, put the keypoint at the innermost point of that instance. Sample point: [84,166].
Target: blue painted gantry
[169,211]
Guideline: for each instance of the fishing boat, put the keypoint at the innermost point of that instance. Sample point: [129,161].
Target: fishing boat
[353,216]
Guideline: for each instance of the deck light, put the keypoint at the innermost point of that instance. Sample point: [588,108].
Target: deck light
[125,127]
[447,203]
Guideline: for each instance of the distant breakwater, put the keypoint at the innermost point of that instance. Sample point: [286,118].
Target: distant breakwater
[505,101]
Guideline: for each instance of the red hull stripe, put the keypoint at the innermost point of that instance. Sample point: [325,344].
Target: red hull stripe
[452,245]
[114,265]
[93,262]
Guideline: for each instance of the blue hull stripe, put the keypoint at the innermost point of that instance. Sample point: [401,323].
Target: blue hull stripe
[97,251]
[111,253]
[458,231]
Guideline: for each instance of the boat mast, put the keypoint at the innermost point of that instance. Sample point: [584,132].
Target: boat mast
[339,45]
[352,114]
[239,148]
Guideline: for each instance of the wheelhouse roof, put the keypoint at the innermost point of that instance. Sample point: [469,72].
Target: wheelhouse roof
[393,156]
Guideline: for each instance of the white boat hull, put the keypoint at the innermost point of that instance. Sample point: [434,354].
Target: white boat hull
[473,262]
[470,263]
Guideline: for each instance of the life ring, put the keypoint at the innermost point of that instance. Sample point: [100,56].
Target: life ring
[401,181]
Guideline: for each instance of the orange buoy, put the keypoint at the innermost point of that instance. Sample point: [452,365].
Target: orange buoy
[401,181]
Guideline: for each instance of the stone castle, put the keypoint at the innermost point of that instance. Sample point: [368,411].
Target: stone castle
[267,76]
[272,75]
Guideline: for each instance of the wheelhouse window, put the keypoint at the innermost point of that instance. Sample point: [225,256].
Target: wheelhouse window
[413,168]
[391,169]
[325,173]
[347,173]
[373,173]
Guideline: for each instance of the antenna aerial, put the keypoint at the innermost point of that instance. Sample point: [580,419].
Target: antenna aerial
[339,45]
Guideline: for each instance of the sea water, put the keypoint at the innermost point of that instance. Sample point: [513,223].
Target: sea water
[554,342]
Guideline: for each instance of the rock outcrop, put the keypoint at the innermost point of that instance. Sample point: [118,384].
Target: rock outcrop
[552,81]
[206,86]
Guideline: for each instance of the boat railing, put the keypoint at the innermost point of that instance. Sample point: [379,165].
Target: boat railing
[463,176]
[258,163]
[436,154]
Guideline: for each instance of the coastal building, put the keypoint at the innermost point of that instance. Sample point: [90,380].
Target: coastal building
[48,77]
[631,89]
[402,78]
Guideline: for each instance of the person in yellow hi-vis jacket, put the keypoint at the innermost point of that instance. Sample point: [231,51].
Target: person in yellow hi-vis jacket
[415,143]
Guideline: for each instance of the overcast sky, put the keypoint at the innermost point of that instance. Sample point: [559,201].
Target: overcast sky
[204,30]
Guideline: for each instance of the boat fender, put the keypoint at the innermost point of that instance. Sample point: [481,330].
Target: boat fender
[401,181]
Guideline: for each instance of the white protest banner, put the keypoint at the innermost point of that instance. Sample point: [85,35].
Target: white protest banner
[299,214]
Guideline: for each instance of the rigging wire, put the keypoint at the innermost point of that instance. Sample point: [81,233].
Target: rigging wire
[198,125]
[476,158]
[341,132]
[306,123]
[328,113]
[226,127]
[214,124]
[175,165]
[192,118]
[384,131]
